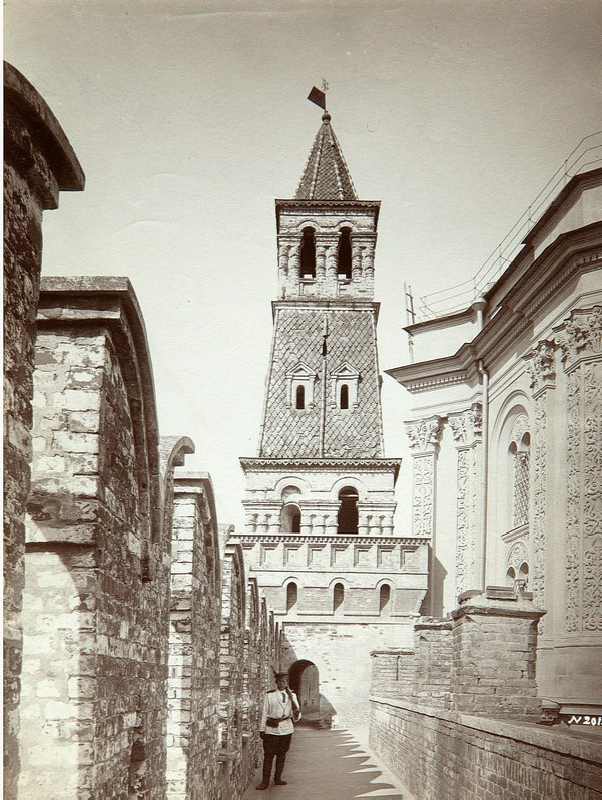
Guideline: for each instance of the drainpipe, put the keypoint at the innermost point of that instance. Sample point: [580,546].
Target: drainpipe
[485,434]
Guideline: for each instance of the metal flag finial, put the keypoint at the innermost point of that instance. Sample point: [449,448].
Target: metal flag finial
[325,85]
[318,96]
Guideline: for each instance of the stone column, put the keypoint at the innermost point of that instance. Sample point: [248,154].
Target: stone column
[331,267]
[542,374]
[580,339]
[368,261]
[294,262]
[424,445]
[283,251]
[320,262]
[356,262]
[466,429]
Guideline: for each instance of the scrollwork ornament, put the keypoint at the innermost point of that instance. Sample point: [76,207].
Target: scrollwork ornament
[581,335]
[424,433]
[541,366]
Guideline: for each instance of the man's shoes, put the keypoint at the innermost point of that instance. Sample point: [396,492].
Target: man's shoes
[261,786]
[280,783]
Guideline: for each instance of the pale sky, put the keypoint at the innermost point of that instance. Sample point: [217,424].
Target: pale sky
[190,117]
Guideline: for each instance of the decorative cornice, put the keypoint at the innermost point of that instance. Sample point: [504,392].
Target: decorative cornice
[300,464]
[446,379]
[337,539]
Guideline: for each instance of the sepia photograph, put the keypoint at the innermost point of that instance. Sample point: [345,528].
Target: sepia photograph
[302,467]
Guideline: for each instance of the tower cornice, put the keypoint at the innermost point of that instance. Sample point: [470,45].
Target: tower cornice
[325,303]
[347,464]
[335,206]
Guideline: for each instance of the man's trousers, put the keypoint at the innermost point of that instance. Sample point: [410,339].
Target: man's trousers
[274,747]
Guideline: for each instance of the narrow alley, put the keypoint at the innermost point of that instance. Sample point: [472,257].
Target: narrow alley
[330,765]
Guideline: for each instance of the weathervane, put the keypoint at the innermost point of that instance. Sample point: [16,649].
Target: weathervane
[318,96]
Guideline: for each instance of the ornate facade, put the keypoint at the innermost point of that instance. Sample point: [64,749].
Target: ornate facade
[319,498]
[520,401]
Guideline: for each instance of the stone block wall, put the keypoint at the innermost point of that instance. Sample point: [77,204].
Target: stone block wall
[341,653]
[39,163]
[443,754]
[195,609]
[231,654]
[96,593]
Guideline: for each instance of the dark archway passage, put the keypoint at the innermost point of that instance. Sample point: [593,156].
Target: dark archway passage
[304,680]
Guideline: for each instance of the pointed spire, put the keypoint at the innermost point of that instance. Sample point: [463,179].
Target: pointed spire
[326,175]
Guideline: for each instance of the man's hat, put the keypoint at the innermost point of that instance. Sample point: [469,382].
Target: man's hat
[281,674]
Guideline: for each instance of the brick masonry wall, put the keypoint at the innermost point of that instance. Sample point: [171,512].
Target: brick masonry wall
[230,757]
[341,652]
[39,162]
[97,561]
[439,754]
[193,652]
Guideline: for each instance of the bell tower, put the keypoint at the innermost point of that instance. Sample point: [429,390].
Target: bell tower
[319,499]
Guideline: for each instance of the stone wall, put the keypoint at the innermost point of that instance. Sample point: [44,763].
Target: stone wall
[442,754]
[341,653]
[39,163]
[194,633]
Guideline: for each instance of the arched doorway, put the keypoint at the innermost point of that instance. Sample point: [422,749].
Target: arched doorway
[304,680]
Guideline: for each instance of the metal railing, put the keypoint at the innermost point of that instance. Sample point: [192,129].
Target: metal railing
[585,155]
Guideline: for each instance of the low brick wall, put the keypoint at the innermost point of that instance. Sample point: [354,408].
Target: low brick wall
[443,755]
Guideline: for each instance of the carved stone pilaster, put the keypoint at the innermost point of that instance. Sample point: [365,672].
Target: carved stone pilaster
[466,427]
[542,378]
[580,339]
[424,443]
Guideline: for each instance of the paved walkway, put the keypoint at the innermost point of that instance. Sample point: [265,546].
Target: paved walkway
[330,765]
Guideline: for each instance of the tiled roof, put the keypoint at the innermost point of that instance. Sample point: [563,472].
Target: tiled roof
[298,336]
[326,175]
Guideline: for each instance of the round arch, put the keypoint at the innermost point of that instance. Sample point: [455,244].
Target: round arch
[304,680]
[348,480]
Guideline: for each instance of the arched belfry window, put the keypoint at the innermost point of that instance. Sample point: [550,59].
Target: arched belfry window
[291,595]
[300,397]
[338,597]
[385,599]
[344,254]
[308,254]
[344,396]
[290,518]
[348,520]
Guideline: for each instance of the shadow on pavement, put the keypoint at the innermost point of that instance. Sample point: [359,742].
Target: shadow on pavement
[330,765]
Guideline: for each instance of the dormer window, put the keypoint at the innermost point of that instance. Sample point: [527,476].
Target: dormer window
[345,386]
[344,254]
[308,255]
[301,382]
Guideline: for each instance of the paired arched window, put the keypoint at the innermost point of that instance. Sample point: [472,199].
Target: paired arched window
[344,254]
[348,519]
[520,574]
[520,451]
[291,595]
[290,518]
[300,397]
[308,254]
[344,397]
[385,599]
[338,597]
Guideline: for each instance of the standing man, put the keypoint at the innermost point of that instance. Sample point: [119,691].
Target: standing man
[280,710]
